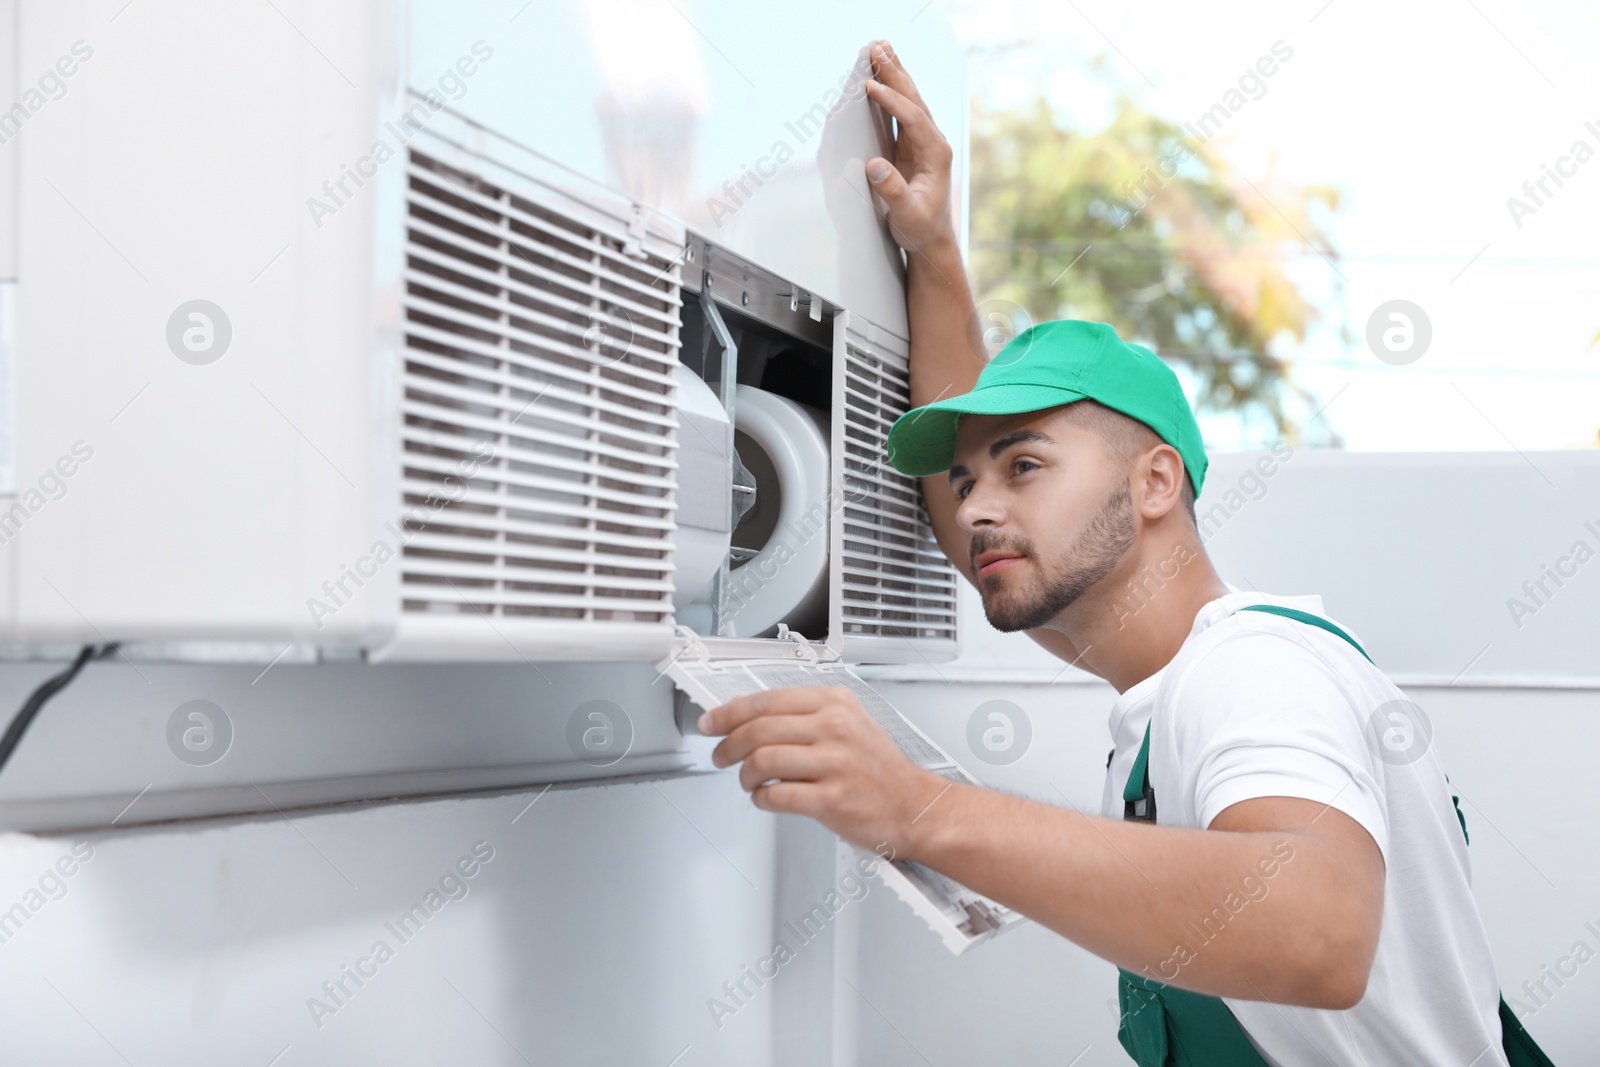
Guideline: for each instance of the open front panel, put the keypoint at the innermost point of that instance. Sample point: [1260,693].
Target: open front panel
[894,592]
[961,917]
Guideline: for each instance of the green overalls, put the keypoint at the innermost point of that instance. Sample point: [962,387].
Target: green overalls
[1164,1026]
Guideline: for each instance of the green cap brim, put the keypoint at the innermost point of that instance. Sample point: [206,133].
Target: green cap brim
[923,440]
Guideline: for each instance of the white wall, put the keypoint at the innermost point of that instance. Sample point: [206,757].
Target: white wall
[605,919]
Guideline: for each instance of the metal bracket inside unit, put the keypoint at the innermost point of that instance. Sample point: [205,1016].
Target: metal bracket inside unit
[727,383]
[754,291]
[810,301]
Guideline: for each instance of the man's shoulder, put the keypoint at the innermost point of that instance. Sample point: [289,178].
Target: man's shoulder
[1249,651]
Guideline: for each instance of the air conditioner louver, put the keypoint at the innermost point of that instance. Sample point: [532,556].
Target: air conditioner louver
[538,429]
[897,591]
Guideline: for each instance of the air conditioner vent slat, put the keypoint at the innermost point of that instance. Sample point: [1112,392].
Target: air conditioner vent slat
[577,482]
[487,597]
[448,457]
[538,435]
[536,509]
[565,297]
[483,233]
[895,585]
[548,382]
[574,581]
[555,230]
[859,483]
[525,401]
[886,510]
[450,540]
[472,528]
[570,359]
[419,404]
[596,266]
[924,581]
[445,336]
[423,430]
[899,398]
[870,408]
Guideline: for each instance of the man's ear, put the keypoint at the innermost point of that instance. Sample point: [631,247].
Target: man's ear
[1161,474]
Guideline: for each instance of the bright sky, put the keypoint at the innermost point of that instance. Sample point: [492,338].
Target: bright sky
[1428,115]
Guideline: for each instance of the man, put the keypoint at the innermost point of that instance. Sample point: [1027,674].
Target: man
[1262,849]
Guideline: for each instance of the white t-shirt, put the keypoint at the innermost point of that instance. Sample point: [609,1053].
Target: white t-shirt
[1257,705]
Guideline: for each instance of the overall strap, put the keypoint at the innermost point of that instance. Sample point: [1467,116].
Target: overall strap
[1310,620]
[1138,799]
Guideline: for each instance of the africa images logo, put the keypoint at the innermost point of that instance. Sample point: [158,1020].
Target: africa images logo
[199,733]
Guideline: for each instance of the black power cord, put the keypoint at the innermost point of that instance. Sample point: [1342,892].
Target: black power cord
[41,696]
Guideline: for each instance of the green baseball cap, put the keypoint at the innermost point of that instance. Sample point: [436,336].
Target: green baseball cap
[1047,365]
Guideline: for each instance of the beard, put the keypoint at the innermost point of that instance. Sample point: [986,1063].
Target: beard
[1093,556]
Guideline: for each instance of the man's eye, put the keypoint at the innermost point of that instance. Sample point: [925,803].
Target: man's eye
[1020,464]
[963,490]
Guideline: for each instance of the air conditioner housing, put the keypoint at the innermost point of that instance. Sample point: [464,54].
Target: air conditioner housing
[452,255]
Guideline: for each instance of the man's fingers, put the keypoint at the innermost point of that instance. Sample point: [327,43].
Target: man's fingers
[889,70]
[886,181]
[789,763]
[918,143]
[793,798]
[801,700]
[765,730]
[911,115]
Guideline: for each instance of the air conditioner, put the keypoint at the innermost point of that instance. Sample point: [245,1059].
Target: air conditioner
[382,382]
[562,484]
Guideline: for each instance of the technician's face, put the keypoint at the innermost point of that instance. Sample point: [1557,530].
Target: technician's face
[1046,511]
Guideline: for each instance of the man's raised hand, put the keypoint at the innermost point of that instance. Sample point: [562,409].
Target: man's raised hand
[915,184]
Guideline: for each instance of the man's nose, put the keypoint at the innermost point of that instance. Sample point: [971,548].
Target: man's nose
[980,508]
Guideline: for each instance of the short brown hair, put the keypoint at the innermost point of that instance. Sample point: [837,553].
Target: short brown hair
[1124,436]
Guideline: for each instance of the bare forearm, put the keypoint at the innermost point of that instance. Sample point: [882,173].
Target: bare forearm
[1196,909]
[946,341]
[946,356]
